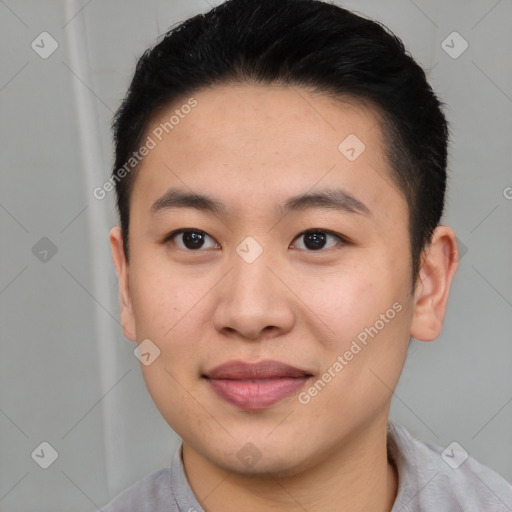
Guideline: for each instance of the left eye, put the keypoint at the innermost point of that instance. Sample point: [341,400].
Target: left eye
[315,240]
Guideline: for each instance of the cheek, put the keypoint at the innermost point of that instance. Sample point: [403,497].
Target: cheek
[168,311]
[367,310]
[159,298]
[172,310]
[345,299]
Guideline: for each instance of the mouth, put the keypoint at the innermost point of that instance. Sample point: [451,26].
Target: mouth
[253,386]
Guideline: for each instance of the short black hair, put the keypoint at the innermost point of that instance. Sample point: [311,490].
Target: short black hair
[304,43]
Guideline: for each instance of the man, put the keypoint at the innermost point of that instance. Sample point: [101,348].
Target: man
[280,175]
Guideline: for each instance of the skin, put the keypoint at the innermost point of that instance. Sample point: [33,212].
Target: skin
[252,147]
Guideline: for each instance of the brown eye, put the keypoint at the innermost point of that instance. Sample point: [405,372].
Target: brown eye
[315,240]
[191,239]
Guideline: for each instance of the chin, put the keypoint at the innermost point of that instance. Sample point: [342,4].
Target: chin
[279,457]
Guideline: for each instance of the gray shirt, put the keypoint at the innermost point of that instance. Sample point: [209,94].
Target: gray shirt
[430,479]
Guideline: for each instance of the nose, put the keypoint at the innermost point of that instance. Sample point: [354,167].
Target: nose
[252,302]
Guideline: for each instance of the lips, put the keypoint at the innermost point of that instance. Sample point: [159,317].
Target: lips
[255,385]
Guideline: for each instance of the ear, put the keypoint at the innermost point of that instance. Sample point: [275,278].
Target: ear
[439,263]
[127,318]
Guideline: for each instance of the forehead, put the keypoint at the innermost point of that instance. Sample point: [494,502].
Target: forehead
[257,144]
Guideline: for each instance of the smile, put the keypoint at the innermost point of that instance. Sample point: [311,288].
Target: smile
[253,386]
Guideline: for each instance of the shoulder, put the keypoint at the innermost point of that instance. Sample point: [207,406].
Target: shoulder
[438,479]
[151,494]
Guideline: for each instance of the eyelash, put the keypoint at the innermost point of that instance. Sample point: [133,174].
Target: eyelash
[342,240]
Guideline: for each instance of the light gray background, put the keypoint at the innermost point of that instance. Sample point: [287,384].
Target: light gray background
[67,375]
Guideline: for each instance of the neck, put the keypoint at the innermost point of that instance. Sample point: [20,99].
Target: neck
[355,476]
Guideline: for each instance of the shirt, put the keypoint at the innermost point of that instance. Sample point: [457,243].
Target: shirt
[430,479]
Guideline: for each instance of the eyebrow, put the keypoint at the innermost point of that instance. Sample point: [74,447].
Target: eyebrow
[336,199]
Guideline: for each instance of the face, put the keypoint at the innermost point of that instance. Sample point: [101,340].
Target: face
[315,289]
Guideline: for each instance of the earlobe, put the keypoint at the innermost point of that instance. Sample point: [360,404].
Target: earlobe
[121,266]
[438,266]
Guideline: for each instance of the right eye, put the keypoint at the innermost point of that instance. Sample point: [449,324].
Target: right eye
[189,239]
